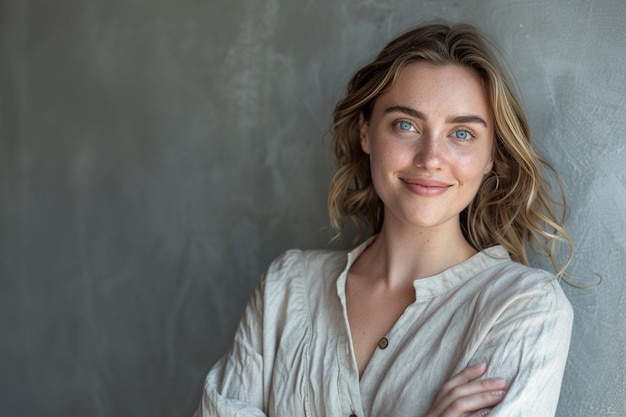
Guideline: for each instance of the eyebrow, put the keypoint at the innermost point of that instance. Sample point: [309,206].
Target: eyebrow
[470,118]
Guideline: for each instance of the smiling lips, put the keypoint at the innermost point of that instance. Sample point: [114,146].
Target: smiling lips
[425,187]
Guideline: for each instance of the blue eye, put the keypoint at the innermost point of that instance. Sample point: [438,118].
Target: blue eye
[404,125]
[462,134]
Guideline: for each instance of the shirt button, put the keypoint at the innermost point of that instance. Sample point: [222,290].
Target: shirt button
[383,343]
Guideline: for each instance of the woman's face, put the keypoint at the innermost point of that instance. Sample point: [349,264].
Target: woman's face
[430,140]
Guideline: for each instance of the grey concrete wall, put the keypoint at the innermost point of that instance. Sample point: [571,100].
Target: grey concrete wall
[156,155]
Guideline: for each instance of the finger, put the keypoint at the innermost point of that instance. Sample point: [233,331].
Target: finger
[466,375]
[470,373]
[477,387]
[471,396]
[464,393]
[481,413]
[471,403]
[465,382]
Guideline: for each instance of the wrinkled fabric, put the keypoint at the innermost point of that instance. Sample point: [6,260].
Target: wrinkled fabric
[293,356]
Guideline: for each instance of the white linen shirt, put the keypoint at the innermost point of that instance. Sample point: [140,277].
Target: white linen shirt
[293,355]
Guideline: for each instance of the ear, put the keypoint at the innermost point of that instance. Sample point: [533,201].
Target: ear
[363,134]
[488,167]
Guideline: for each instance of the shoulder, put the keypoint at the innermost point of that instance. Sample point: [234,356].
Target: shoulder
[513,286]
[298,280]
[298,264]
[518,305]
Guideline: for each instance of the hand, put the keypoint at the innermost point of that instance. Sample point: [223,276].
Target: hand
[464,394]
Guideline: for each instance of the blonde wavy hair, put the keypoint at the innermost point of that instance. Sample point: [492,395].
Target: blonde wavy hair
[514,206]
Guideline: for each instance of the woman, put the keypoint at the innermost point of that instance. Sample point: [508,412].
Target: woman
[436,313]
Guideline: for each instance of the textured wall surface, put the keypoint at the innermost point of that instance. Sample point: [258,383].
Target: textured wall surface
[156,155]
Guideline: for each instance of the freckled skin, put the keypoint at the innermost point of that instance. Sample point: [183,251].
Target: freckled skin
[430,139]
[433,146]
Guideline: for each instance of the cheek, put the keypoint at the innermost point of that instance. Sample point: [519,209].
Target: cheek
[387,159]
[390,152]
[472,166]
[386,164]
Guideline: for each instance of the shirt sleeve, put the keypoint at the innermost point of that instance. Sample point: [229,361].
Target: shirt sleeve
[528,345]
[234,386]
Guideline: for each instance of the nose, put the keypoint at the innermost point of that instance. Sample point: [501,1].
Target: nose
[429,152]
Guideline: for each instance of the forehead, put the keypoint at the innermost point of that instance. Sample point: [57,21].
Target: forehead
[449,89]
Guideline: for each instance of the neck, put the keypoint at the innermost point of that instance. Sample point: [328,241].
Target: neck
[401,254]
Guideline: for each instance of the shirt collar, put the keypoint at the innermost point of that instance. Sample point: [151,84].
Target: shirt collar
[437,284]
